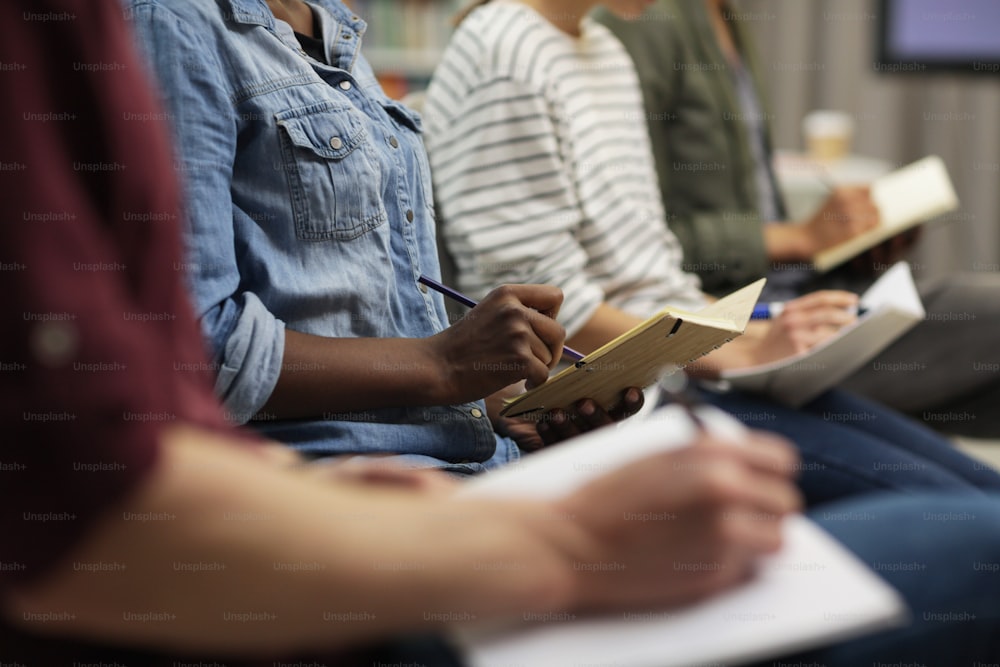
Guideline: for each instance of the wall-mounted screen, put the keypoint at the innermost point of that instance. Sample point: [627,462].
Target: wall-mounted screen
[926,35]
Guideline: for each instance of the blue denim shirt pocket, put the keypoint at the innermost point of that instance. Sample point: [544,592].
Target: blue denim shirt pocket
[332,174]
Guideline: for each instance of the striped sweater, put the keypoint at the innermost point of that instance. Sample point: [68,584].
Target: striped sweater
[543,169]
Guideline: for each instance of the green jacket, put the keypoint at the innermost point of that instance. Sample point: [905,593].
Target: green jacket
[703,156]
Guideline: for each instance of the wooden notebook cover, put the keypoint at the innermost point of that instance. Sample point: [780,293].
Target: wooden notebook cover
[668,340]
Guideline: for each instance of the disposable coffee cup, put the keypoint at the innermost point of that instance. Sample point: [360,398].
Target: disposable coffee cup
[828,135]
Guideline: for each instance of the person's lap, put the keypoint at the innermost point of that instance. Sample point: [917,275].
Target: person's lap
[946,370]
[942,553]
[851,446]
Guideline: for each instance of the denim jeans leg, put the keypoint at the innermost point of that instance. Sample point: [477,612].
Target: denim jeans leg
[942,553]
[843,458]
[893,427]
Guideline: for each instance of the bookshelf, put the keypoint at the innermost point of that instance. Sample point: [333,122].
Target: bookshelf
[405,39]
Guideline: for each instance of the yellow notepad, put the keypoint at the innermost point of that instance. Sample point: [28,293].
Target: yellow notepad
[669,340]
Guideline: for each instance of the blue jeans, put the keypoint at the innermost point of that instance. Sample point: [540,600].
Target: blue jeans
[851,446]
[947,549]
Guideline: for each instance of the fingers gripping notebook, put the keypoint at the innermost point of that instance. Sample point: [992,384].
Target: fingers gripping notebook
[665,342]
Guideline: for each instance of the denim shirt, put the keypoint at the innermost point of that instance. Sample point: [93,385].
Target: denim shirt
[309,207]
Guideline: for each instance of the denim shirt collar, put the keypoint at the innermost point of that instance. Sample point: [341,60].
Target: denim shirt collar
[342,30]
[255,12]
[252,12]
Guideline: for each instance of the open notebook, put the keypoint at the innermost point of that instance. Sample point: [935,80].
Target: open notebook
[892,307]
[811,592]
[665,342]
[905,198]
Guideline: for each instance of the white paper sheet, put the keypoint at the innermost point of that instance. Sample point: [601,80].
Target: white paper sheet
[892,306]
[811,592]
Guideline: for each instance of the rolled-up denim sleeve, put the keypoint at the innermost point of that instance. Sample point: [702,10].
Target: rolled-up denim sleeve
[245,339]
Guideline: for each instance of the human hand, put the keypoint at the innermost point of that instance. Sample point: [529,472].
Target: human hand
[846,213]
[682,525]
[558,425]
[803,323]
[511,335]
[586,415]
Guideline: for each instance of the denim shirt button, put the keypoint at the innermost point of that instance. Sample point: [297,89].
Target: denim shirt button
[409,215]
[423,288]
[335,143]
[393,142]
[346,35]
[345,85]
[476,412]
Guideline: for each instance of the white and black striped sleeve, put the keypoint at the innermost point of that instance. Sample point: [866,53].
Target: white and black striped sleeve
[508,208]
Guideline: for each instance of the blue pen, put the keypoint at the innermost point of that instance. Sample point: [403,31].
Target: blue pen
[466,301]
[768,311]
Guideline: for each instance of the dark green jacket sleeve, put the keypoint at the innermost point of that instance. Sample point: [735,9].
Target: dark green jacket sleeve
[702,154]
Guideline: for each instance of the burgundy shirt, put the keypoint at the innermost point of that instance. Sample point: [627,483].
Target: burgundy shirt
[99,349]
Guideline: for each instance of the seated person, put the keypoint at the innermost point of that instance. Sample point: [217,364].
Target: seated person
[705,104]
[544,175]
[141,529]
[309,221]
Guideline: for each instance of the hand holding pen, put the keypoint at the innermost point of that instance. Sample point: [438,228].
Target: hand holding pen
[511,335]
[846,213]
[458,297]
[803,323]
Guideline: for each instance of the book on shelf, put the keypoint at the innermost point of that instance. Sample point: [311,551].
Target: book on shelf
[405,36]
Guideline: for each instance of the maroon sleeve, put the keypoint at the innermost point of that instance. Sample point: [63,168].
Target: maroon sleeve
[97,341]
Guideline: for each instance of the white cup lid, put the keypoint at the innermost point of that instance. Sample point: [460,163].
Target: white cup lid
[828,122]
